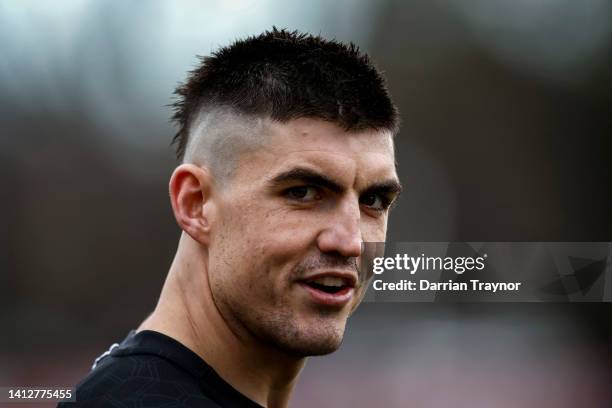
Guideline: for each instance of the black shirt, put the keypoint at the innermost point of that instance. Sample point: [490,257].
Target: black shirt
[150,369]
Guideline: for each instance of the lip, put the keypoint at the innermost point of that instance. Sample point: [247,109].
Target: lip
[348,277]
[338,299]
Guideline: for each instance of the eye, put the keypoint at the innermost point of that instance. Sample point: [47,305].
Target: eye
[302,193]
[375,201]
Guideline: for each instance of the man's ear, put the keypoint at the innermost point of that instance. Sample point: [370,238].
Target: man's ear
[191,187]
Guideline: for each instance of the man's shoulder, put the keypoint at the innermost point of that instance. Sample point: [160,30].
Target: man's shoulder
[146,369]
[139,380]
[149,369]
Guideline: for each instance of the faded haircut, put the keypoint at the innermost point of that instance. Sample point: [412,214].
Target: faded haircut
[279,75]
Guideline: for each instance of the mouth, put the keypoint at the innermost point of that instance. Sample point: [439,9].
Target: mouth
[330,289]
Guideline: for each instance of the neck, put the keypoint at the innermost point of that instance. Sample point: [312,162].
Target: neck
[186,311]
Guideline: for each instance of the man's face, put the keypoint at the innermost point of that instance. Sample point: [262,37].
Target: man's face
[285,244]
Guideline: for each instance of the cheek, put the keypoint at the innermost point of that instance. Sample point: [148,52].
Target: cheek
[374,230]
[229,251]
[254,248]
[283,242]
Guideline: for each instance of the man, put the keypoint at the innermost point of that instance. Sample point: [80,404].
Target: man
[288,165]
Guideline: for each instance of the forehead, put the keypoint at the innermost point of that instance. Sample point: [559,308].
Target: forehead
[356,157]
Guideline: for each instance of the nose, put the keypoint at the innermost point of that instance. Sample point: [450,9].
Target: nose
[342,234]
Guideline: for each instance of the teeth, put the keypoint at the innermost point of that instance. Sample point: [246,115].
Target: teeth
[329,281]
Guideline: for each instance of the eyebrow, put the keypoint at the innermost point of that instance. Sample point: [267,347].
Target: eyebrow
[309,176]
[389,187]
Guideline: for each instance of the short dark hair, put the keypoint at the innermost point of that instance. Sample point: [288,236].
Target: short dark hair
[286,75]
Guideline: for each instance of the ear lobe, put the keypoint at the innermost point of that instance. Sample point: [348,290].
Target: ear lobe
[190,193]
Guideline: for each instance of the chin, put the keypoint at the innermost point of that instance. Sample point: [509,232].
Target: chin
[322,349]
[298,335]
[312,347]
[318,340]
